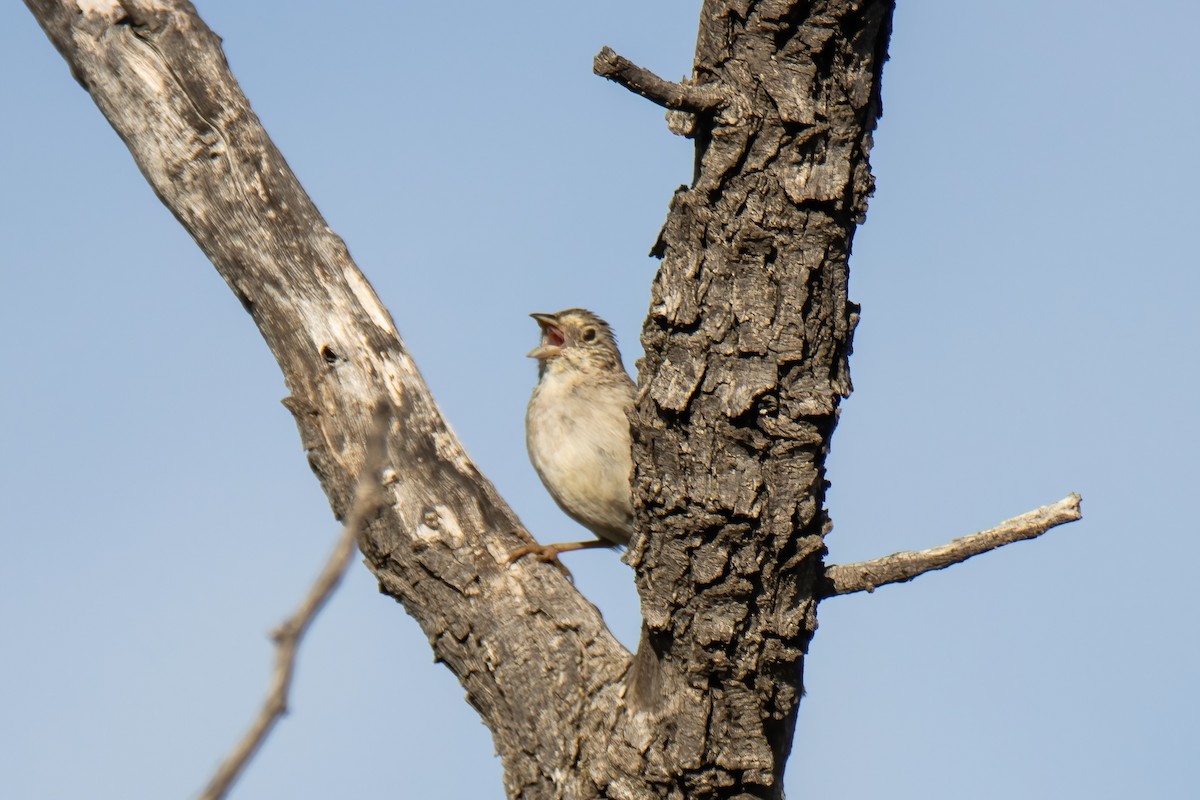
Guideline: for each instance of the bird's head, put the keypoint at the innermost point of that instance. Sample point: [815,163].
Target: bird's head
[577,337]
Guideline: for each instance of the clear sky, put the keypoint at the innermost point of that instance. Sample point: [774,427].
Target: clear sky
[1027,274]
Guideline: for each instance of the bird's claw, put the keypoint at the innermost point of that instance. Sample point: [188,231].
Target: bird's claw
[546,553]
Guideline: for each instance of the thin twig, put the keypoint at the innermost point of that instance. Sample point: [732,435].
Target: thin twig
[866,576]
[676,96]
[367,499]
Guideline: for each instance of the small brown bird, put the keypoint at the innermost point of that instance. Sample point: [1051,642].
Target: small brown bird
[577,428]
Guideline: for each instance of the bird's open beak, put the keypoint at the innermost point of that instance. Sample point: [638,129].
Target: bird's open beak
[552,337]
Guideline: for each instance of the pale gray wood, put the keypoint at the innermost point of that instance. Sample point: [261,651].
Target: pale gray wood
[867,576]
[747,343]
[520,638]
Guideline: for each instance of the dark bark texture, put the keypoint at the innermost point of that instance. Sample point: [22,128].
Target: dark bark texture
[747,343]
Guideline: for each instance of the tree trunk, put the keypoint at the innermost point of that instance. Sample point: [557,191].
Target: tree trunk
[747,343]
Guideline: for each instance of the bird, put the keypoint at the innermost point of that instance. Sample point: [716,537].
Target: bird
[577,429]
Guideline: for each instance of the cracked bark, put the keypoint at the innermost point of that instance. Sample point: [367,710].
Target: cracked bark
[520,639]
[747,343]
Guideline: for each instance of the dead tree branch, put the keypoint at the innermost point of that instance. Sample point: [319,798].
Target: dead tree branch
[367,500]
[747,348]
[518,637]
[639,80]
[867,576]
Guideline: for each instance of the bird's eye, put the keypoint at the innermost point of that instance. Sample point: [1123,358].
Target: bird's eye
[589,334]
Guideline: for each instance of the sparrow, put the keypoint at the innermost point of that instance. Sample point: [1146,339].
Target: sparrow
[577,429]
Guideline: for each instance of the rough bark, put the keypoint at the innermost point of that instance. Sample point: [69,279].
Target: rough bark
[520,638]
[747,346]
[747,343]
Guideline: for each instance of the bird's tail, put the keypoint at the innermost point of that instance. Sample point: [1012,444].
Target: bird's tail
[644,681]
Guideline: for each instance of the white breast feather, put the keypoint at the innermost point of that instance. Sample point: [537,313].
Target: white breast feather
[581,450]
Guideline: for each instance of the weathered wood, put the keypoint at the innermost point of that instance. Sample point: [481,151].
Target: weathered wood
[747,343]
[747,346]
[867,576]
[530,651]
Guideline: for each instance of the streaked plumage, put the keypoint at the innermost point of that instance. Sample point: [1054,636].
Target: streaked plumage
[577,426]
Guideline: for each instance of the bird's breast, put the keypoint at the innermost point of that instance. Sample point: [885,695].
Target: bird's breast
[579,443]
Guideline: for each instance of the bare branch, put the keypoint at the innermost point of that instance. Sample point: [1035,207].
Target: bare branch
[367,500]
[675,96]
[866,576]
[509,632]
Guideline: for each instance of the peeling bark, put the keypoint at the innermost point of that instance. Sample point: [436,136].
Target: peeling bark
[747,343]
[529,649]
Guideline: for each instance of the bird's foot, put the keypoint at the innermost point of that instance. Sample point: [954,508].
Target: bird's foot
[546,553]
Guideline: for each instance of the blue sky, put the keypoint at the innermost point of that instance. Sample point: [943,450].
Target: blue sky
[1027,274]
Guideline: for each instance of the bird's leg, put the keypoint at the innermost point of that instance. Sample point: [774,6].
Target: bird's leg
[548,553]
